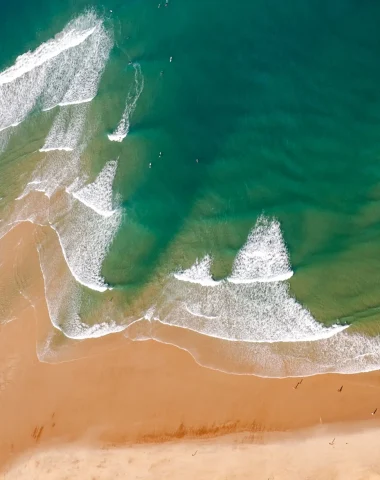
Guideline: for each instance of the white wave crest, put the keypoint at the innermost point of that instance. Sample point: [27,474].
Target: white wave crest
[69,38]
[98,195]
[199,273]
[63,70]
[264,257]
[122,129]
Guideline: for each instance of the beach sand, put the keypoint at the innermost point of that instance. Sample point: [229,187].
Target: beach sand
[118,393]
[309,455]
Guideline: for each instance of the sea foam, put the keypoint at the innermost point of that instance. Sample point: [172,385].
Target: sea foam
[84,234]
[346,352]
[65,297]
[264,257]
[122,129]
[87,229]
[199,273]
[63,70]
[70,37]
[58,169]
[253,304]
[67,129]
[77,219]
[98,195]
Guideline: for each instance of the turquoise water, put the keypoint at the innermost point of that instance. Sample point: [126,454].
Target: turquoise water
[238,113]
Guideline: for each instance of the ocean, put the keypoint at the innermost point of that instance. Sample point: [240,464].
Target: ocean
[206,174]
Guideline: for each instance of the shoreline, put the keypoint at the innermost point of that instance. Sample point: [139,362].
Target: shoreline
[149,393]
[112,391]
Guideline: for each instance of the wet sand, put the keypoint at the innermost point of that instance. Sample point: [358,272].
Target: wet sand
[118,393]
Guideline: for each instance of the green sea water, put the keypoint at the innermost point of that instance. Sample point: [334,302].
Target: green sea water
[248,108]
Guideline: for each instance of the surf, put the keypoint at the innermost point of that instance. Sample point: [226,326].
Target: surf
[253,304]
[64,70]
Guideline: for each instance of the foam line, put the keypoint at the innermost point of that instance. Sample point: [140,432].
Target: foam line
[275,278]
[74,102]
[122,129]
[51,149]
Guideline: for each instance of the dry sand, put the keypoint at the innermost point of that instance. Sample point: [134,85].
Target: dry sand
[313,455]
[123,393]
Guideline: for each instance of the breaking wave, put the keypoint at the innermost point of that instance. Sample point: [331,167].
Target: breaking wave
[65,70]
[85,231]
[98,195]
[199,273]
[254,304]
[264,257]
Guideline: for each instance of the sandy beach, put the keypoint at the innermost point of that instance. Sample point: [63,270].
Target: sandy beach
[308,455]
[189,240]
[117,394]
